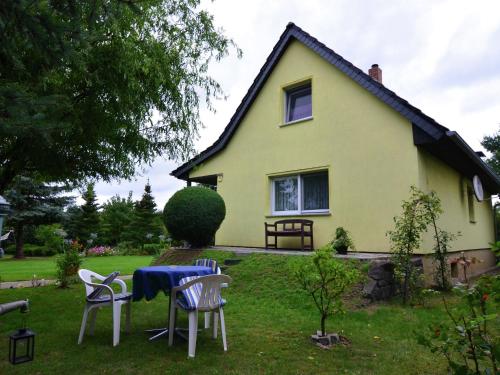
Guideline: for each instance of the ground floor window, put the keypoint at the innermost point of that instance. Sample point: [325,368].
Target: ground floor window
[299,194]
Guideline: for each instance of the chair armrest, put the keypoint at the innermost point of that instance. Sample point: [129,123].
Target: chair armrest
[121,283]
[102,286]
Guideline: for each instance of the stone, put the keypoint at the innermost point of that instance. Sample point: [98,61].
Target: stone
[369,288]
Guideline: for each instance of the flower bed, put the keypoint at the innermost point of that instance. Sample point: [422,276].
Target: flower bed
[100,251]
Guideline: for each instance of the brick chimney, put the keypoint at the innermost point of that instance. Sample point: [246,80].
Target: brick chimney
[375,72]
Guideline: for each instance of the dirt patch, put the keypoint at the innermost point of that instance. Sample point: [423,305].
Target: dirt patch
[179,256]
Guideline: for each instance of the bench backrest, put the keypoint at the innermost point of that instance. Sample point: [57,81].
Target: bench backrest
[292,224]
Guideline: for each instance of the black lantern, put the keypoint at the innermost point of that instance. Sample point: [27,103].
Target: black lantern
[22,346]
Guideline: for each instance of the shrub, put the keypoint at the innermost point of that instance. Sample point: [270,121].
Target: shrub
[194,214]
[52,237]
[100,251]
[31,250]
[68,264]
[469,338]
[152,248]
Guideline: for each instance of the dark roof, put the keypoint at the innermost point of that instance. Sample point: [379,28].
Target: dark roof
[426,130]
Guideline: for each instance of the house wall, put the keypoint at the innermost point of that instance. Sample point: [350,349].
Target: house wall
[451,188]
[366,147]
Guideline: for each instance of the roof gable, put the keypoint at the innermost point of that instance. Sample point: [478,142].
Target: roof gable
[426,130]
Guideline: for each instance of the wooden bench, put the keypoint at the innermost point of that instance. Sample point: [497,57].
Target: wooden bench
[290,228]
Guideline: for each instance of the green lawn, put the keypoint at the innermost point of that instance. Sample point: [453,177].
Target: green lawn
[45,268]
[268,320]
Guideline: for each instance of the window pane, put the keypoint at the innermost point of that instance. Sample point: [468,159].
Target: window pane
[286,197]
[299,104]
[315,188]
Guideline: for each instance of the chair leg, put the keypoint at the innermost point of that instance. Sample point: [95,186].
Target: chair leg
[84,323]
[93,315]
[171,324]
[216,325]
[223,329]
[193,332]
[208,316]
[128,311]
[116,323]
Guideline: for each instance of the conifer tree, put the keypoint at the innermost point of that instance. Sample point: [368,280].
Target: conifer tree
[33,203]
[144,227]
[89,217]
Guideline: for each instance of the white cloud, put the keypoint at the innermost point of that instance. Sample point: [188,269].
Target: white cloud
[442,56]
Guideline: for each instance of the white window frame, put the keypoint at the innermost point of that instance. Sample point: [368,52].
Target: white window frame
[290,91]
[300,204]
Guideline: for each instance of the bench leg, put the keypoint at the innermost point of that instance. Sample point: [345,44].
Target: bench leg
[302,242]
[276,242]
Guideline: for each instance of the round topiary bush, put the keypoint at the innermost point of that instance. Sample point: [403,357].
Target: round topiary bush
[194,214]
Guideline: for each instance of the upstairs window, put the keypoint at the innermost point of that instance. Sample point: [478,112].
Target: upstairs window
[298,103]
[300,194]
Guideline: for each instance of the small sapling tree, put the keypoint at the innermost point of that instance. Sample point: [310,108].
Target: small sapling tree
[326,279]
[418,213]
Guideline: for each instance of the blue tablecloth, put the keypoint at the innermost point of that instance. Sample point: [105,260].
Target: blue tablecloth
[148,281]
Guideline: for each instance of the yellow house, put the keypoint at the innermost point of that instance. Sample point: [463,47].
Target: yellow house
[317,138]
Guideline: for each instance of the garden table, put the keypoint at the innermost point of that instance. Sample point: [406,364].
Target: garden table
[148,281]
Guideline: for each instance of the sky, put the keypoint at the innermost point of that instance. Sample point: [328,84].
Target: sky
[441,56]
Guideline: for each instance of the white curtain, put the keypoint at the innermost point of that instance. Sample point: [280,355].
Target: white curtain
[286,194]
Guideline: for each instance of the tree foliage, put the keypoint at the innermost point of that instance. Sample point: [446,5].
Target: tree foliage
[326,279]
[492,144]
[92,89]
[144,227]
[34,203]
[116,217]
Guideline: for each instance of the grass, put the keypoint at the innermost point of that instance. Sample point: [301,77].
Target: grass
[45,268]
[269,321]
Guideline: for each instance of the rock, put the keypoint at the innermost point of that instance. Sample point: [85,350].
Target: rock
[369,288]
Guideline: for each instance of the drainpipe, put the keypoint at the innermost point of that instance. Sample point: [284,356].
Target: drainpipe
[496,212]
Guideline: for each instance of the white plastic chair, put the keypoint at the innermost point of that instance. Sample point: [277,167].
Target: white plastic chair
[198,294]
[107,298]
[212,263]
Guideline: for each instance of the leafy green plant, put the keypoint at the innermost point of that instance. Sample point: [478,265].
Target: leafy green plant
[194,214]
[68,263]
[342,241]
[469,339]
[418,212]
[52,237]
[495,247]
[326,279]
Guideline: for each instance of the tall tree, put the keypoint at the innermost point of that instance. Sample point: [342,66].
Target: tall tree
[89,218]
[116,216]
[92,89]
[492,144]
[34,203]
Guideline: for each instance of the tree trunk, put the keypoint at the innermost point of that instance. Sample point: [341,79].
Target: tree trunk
[19,233]
[323,330]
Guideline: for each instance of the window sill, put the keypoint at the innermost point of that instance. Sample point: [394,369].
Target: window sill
[305,119]
[326,213]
